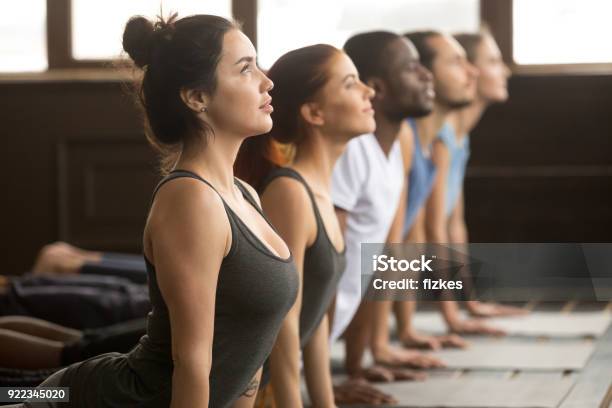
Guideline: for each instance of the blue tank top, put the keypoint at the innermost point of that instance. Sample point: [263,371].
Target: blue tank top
[420,179]
[459,152]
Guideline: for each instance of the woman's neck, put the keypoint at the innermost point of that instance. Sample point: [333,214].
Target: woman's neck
[315,158]
[213,159]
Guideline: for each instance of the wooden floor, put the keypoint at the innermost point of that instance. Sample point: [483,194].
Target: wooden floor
[589,387]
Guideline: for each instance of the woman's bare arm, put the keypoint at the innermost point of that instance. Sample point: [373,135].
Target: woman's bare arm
[189,235]
[287,205]
[317,368]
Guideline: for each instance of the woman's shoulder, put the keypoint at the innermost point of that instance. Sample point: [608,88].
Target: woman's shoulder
[188,191]
[290,189]
[183,211]
[185,200]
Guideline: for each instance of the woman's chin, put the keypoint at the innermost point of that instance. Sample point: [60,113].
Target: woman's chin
[370,127]
[264,126]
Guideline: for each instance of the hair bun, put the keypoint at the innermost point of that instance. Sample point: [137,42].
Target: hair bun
[137,39]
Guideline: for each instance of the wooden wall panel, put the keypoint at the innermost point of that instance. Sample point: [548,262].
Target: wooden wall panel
[104,185]
[541,166]
[94,124]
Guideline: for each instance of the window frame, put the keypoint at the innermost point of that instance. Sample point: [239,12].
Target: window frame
[62,66]
[498,14]
[59,33]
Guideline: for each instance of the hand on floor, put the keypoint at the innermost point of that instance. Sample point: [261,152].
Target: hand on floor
[482,309]
[377,373]
[359,391]
[474,326]
[401,357]
[425,341]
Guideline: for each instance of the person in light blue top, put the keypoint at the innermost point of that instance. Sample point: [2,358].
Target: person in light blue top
[459,152]
[420,179]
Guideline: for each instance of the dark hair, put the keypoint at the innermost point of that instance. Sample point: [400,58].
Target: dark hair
[427,53]
[297,75]
[367,50]
[471,41]
[174,54]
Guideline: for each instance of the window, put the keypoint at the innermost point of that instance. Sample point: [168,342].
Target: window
[97,26]
[562,31]
[287,24]
[23,37]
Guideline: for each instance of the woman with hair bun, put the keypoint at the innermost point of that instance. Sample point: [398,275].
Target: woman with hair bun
[221,280]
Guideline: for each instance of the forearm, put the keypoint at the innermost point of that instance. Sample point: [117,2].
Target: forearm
[436,231]
[450,312]
[190,386]
[380,324]
[285,365]
[449,308]
[457,231]
[404,311]
[358,337]
[317,370]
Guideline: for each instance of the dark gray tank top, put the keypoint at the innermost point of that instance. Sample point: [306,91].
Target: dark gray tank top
[255,290]
[323,265]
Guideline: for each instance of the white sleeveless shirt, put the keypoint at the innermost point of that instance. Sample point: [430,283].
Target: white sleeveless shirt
[367,184]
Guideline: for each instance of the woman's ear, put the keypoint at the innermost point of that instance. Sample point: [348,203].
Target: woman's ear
[312,114]
[195,100]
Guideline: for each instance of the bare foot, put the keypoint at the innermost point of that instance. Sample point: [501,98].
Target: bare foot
[63,258]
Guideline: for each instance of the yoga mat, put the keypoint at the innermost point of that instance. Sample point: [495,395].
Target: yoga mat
[556,324]
[479,393]
[547,324]
[503,354]
[500,355]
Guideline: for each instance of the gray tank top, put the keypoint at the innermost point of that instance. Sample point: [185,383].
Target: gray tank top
[255,290]
[323,266]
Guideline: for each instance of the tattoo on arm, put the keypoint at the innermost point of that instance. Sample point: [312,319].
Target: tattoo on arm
[251,389]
